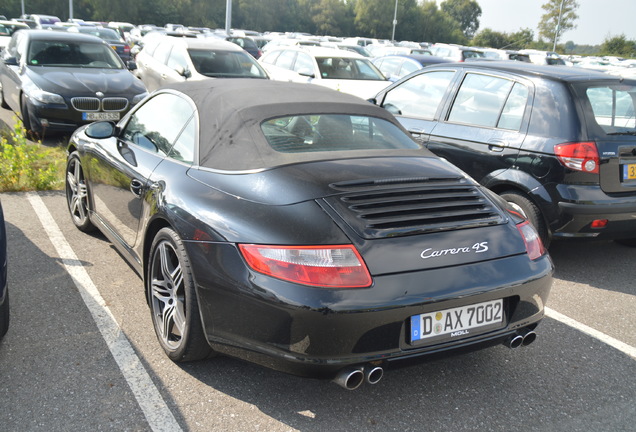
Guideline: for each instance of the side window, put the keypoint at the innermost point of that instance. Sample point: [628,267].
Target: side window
[304,65]
[420,96]
[407,68]
[480,100]
[514,108]
[162,52]
[177,59]
[154,128]
[286,59]
[183,148]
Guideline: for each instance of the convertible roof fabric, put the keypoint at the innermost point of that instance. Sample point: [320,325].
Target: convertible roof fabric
[232,110]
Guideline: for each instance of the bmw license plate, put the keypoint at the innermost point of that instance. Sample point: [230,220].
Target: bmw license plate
[458,322]
[629,172]
[95,116]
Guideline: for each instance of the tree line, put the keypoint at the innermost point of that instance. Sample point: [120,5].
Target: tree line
[452,21]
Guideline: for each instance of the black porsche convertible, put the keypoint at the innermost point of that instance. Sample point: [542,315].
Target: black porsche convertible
[303,229]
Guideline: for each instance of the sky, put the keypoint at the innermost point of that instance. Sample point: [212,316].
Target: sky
[598,19]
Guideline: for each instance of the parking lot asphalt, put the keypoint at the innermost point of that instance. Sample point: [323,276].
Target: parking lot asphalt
[61,367]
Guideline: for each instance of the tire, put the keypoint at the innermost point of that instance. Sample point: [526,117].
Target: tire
[627,242]
[26,118]
[4,316]
[77,194]
[173,300]
[530,211]
[3,103]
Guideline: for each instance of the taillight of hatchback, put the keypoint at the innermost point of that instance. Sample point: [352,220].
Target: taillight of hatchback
[579,156]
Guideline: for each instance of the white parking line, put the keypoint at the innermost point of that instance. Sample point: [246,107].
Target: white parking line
[156,411]
[615,343]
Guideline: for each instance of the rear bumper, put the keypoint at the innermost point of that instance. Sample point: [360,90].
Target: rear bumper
[591,204]
[316,332]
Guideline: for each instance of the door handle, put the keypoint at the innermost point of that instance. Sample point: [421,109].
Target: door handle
[497,146]
[136,187]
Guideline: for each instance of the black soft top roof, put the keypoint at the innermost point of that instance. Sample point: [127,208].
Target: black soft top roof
[232,110]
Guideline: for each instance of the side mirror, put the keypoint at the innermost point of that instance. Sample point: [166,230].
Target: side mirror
[306,72]
[131,65]
[183,72]
[100,130]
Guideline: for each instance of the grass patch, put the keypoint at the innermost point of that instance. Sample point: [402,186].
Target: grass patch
[26,166]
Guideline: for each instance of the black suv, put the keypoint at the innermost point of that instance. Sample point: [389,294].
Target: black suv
[558,143]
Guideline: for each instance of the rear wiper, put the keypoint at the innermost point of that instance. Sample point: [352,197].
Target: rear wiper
[632,132]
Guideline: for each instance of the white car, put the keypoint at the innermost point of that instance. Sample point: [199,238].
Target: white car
[166,60]
[7,28]
[337,69]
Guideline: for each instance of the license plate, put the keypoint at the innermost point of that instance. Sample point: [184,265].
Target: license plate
[458,322]
[95,116]
[629,172]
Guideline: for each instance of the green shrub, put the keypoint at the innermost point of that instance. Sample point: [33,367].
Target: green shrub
[29,166]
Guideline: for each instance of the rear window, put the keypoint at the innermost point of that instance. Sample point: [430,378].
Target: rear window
[613,107]
[334,132]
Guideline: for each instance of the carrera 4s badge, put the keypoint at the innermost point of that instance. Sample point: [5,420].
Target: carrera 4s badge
[476,248]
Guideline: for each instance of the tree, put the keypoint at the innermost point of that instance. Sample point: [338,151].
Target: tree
[619,46]
[560,16]
[465,12]
[374,18]
[437,26]
[490,38]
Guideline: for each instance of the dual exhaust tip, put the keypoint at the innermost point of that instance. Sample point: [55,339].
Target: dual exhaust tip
[522,338]
[350,378]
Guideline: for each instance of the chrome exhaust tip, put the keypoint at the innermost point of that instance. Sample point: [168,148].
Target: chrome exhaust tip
[373,374]
[514,341]
[528,338]
[350,378]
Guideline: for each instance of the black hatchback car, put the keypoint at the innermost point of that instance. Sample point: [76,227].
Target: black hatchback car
[59,81]
[558,143]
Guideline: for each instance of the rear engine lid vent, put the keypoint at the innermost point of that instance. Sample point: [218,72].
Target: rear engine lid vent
[408,206]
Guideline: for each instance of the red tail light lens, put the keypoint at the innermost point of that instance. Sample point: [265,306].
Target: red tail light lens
[534,245]
[581,156]
[126,49]
[337,266]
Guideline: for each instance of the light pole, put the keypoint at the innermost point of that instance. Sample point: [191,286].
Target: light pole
[228,16]
[394,21]
[556,33]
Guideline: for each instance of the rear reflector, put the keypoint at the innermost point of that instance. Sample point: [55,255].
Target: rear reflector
[338,266]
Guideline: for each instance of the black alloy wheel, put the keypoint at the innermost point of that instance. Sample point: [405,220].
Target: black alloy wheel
[77,194]
[173,300]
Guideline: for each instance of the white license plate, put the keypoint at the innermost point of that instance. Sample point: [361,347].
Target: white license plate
[458,322]
[96,116]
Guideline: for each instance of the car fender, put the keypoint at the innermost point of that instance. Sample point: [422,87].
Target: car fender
[503,180]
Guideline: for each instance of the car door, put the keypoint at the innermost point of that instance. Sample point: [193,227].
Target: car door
[417,100]
[156,66]
[13,69]
[482,126]
[120,168]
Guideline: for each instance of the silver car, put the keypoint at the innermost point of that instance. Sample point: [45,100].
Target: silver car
[166,60]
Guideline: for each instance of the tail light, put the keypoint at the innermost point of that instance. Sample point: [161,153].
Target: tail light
[323,266]
[126,49]
[534,245]
[580,156]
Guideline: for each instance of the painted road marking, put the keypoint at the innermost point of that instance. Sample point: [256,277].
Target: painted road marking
[155,409]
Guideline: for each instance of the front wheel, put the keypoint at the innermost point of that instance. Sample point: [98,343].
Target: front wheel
[77,194]
[173,301]
[528,209]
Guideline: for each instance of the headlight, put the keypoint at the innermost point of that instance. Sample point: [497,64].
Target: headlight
[139,97]
[43,96]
